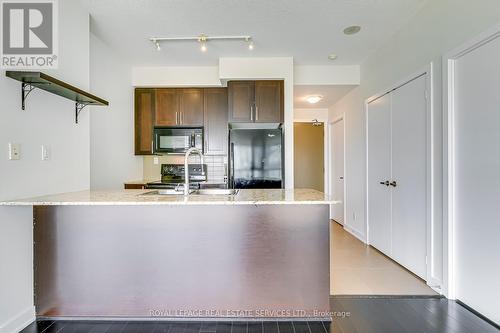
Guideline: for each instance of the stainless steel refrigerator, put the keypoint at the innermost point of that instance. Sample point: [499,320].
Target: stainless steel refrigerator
[256,158]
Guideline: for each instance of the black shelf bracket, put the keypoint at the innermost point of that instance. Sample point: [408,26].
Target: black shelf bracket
[78,108]
[32,80]
[26,88]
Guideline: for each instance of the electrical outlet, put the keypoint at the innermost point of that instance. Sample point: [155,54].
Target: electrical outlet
[14,151]
[45,153]
[155,160]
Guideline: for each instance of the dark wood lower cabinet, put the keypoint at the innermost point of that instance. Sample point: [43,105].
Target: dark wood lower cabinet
[134,186]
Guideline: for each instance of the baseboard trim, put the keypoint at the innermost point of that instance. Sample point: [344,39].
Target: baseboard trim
[355,233]
[182,319]
[480,315]
[19,322]
[344,296]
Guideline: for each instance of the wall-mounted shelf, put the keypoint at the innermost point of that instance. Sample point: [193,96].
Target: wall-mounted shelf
[32,80]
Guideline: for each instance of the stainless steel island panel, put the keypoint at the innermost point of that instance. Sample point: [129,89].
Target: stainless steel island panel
[182,261]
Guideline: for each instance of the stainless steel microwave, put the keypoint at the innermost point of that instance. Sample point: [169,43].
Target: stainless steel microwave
[177,140]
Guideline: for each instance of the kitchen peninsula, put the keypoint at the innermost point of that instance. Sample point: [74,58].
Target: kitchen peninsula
[136,254]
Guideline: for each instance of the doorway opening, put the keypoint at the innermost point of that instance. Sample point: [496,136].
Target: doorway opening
[309,159]
[387,253]
[337,169]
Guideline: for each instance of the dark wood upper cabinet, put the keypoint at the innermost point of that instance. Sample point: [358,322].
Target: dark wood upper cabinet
[167,107]
[179,107]
[255,101]
[215,121]
[268,102]
[241,101]
[191,107]
[144,120]
[212,108]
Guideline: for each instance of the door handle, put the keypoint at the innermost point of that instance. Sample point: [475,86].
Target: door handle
[341,178]
[393,183]
[386,183]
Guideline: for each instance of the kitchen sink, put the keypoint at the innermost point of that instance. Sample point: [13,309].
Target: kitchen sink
[216,191]
[205,191]
[163,192]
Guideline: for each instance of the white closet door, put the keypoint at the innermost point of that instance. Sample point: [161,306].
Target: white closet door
[379,170]
[477,178]
[409,170]
[337,135]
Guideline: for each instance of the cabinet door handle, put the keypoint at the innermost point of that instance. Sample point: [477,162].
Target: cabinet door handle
[181,117]
[251,112]
[393,183]
[386,183]
[256,113]
[152,147]
[176,118]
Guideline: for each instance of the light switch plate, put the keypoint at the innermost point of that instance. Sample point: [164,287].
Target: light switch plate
[14,151]
[155,160]
[45,153]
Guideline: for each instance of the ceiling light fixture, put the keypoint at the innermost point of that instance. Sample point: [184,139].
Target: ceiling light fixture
[352,30]
[315,122]
[202,39]
[250,44]
[332,56]
[314,99]
[157,45]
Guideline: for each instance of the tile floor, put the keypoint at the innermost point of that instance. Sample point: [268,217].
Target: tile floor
[358,269]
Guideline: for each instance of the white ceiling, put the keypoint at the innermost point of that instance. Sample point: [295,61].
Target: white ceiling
[307,30]
[331,94]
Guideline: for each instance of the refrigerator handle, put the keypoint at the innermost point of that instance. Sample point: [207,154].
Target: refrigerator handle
[231,165]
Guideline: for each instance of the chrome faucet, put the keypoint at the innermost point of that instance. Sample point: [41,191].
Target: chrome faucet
[186,167]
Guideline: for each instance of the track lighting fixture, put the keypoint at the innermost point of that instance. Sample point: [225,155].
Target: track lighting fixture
[202,39]
[157,45]
[203,43]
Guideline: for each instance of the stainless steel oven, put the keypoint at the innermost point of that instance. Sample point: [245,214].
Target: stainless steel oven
[177,140]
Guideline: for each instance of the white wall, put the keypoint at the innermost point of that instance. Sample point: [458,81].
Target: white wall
[16,268]
[437,28]
[176,76]
[112,160]
[49,120]
[326,75]
[308,115]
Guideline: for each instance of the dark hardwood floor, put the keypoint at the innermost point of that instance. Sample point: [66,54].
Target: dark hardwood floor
[350,315]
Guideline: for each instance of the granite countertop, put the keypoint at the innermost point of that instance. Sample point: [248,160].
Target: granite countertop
[136,197]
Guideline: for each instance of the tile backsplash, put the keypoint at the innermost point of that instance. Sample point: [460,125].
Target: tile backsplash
[216,166]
